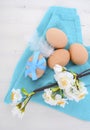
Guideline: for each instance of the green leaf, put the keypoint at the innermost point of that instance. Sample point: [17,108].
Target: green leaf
[31,94]
[19,105]
[61,93]
[74,75]
[77,84]
[23,90]
[23,109]
[55,89]
[26,101]
[53,95]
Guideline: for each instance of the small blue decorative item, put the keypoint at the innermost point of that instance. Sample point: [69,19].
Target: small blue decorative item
[35,66]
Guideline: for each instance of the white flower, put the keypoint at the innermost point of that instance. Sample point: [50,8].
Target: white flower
[58,69]
[82,92]
[60,101]
[48,98]
[16,111]
[64,79]
[48,91]
[16,96]
[73,93]
[57,100]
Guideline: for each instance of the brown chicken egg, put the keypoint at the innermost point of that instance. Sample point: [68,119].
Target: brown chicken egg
[60,56]
[78,54]
[32,66]
[56,38]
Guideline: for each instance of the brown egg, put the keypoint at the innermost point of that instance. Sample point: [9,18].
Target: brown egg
[39,72]
[56,38]
[60,56]
[78,53]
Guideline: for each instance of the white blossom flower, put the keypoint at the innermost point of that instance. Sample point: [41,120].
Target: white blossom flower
[16,111]
[57,100]
[83,92]
[48,98]
[58,69]
[65,79]
[16,96]
[73,93]
[60,101]
[48,91]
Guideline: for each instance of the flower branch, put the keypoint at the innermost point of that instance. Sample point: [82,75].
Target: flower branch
[67,87]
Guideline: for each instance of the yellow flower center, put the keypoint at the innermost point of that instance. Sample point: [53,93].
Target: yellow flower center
[48,98]
[81,96]
[64,81]
[60,102]
[12,96]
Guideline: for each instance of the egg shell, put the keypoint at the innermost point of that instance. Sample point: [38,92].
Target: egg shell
[39,72]
[60,56]
[56,38]
[78,54]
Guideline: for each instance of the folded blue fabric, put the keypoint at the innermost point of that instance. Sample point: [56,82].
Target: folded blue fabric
[68,21]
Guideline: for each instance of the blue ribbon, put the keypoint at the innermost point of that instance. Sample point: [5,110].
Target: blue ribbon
[36,63]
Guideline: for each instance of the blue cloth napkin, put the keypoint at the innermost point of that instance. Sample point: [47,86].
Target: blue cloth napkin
[68,21]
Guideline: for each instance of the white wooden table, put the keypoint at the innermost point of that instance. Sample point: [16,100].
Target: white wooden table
[18,20]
